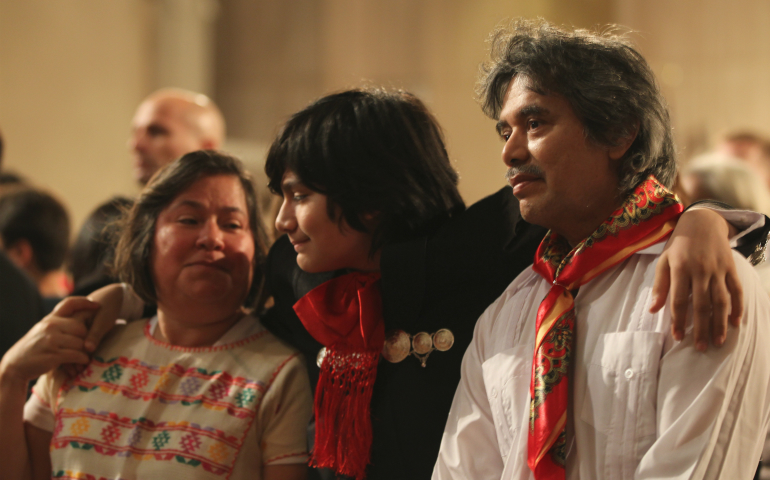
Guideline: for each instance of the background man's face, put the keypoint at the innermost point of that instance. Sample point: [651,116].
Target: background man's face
[563,181]
[161,133]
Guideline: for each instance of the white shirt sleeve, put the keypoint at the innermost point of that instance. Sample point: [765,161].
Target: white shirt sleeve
[40,407]
[38,413]
[469,447]
[712,407]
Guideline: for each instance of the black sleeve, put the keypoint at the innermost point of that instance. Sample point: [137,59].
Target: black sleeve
[20,304]
[286,282]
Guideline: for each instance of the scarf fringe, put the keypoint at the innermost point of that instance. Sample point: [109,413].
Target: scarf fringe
[343,436]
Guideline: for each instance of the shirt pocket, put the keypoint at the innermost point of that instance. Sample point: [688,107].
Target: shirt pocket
[506,379]
[620,394]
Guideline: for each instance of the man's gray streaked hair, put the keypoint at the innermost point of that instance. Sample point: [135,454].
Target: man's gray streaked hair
[609,85]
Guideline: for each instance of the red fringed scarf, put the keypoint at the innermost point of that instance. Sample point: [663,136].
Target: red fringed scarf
[345,315]
[647,217]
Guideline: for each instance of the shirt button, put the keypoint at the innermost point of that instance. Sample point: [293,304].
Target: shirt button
[629,373]
[494,393]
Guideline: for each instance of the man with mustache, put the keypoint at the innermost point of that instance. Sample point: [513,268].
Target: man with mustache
[569,374]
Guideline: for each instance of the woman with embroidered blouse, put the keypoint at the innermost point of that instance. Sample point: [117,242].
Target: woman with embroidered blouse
[199,390]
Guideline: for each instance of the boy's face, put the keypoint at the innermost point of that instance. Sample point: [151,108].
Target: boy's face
[322,244]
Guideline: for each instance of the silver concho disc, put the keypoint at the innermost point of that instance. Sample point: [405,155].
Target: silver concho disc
[319,359]
[422,343]
[396,346]
[443,340]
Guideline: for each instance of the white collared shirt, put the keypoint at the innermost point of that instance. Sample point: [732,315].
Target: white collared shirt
[641,405]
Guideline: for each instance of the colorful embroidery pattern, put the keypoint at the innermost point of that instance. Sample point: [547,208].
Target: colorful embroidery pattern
[171,384]
[185,442]
[245,397]
[212,411]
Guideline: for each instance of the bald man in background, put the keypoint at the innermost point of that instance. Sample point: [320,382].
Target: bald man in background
[170,123]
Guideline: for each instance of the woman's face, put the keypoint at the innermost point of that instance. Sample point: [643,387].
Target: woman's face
[203,248]
[322,244]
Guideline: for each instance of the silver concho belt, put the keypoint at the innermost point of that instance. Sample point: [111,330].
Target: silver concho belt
[399,345]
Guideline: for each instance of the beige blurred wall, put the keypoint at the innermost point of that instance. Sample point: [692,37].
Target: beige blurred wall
[276,57]
[712,59]
[455,48]
[72,71]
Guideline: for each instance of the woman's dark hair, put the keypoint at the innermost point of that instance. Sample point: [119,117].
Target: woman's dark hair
[370,152]
[134,249]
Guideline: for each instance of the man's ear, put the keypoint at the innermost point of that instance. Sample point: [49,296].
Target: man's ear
[623,144]
[20,252]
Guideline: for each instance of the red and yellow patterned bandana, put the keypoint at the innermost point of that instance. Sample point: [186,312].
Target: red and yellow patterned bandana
[647,217]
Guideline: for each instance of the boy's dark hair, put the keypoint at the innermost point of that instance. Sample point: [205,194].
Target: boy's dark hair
[41,220]
[133,252]
[370,151]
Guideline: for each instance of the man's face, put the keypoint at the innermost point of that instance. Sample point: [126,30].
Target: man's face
[161,132]
[563,181]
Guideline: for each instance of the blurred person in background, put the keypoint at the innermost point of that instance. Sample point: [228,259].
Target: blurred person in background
[751,147]
[720,177]
[94,249]
[20,302]
[35,230]
[170,123]
[10,179]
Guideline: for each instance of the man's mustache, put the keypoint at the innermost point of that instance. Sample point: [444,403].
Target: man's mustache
[527,169]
